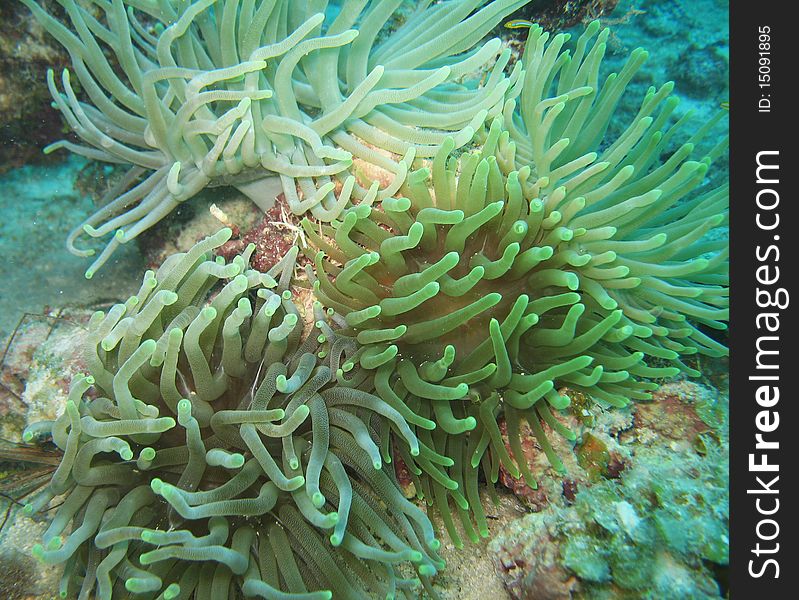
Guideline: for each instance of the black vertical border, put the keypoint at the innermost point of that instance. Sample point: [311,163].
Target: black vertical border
[753,131]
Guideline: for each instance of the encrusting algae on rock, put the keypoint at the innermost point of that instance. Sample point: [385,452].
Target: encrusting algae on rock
[660,529]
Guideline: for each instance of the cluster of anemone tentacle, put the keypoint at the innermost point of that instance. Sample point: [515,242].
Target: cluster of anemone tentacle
[468,292]
[224,449]
[532,263]
[269,96]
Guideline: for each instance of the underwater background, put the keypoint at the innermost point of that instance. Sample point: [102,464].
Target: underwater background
[642,511]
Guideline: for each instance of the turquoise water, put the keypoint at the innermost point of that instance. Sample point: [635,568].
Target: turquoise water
[40,205]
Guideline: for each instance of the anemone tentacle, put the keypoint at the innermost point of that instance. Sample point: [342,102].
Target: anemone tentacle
[537,261]
[268,96]
[213,445]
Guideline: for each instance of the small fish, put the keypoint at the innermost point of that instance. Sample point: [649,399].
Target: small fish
[519,24]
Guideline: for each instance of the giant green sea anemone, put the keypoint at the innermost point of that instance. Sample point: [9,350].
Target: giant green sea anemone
[224,452]
[549,256]
[267,95]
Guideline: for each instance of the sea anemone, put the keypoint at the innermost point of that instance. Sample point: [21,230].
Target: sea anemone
[215,450]
[550,256]
[267,95]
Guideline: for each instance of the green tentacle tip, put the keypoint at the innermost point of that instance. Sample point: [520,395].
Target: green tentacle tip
[318,500]
[172,591]
[148,536]
[572,281]
[336,539]
[184,411]
[427,570]
[221,236]
[217,457]
[54,544]
[38,552]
